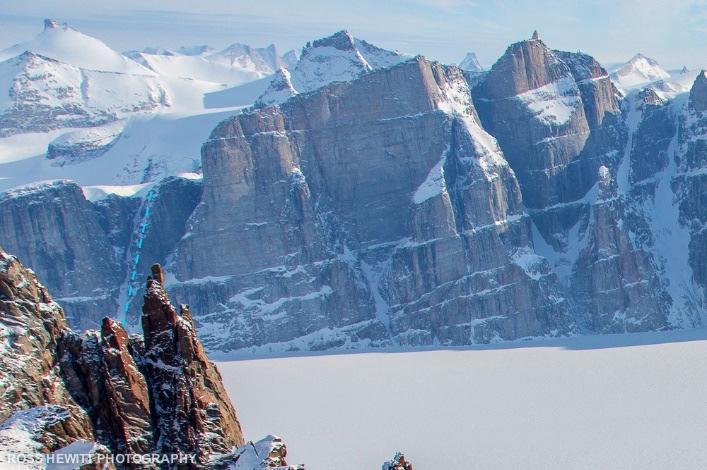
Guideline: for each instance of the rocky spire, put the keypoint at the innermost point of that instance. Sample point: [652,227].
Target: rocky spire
[129,394]
[50,23]
[698,93]
[535,35]
[195,414]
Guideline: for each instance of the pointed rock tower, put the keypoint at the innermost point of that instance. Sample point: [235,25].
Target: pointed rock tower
[151,394]
[698,93]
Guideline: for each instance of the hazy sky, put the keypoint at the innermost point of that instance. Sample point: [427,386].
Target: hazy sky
[673,32]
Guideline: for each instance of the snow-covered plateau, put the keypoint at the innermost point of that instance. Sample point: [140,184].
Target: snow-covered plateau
[584,403]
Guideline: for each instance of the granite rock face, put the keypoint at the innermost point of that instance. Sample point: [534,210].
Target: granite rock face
[31,328]
[578,158]
[83,248]
[411,204]
[59,233]
[195,412]
[613,279]
[375,212]
[121,394]
[544,107]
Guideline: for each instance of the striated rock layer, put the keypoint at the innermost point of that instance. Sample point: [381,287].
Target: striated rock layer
[374,212]
[83,249]
[411,204]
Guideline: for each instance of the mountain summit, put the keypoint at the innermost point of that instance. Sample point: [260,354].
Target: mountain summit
[638,71]
[471,63]
[70,46]
[336,58]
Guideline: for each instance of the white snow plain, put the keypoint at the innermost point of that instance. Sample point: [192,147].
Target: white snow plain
[611,402]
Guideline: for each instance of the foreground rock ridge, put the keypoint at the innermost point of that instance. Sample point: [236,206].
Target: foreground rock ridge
[121,394]
[399,202]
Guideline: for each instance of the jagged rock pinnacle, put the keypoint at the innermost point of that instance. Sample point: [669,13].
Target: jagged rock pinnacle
[698,93]
[535,35]
[50,23]
[157,273]
[397,463]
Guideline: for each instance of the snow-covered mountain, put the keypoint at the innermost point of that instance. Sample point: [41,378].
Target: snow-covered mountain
[337,58]
[290,58]
[67,99]
[471,63]
[381,188]
[65,44]
[638,71]
[44,94]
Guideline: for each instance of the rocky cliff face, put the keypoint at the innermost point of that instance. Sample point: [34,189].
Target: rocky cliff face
[390,217]
[31,328]
[541,105]
[156,393]
[59,233]
[580,161]
[83,249]
[409,205]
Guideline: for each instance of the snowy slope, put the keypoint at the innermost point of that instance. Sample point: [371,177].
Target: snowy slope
[336,58]
[148,149]
[240,95]
[553,103]
[44,94]
[264,60]
[66,98]
[67,45]
[197,67]
[638,71]
[677,84]
[234,65]
[583,403]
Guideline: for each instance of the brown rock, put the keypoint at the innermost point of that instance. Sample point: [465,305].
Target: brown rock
[195,415]
[162,395]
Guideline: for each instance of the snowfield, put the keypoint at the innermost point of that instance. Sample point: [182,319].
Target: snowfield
[613,402]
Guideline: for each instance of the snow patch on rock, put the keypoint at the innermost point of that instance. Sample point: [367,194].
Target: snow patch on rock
[554,103]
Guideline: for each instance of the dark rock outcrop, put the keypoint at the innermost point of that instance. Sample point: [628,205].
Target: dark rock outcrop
[83,249]
[157,394]
[31,327]
[398,462]
[698,93]
[194,411]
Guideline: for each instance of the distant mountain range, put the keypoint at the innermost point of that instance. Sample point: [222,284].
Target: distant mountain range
[355,197]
